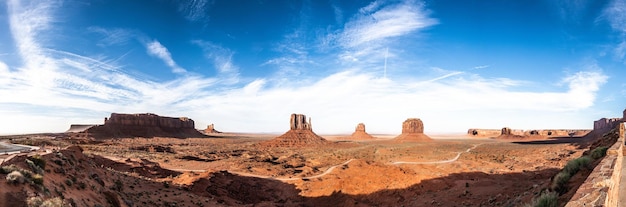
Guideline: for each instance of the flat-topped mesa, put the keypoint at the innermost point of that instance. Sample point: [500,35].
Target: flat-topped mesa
[359,133]
[300,134]
[413,125]
[144,125]
[150,120]
[413,130]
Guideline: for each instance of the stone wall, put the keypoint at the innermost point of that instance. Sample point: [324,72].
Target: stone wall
[601,188]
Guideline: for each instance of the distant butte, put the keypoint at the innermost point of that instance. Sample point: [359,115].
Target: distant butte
[300,134]
[360,133]
[141,125]
[413,130]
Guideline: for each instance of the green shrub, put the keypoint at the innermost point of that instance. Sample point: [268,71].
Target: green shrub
[547,199]
[573,166]
[598,152]
[560,181]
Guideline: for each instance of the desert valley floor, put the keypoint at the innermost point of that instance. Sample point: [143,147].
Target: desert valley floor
[238,170]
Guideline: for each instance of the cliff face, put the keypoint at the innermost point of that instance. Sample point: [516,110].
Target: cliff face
[149,120]
[144,125]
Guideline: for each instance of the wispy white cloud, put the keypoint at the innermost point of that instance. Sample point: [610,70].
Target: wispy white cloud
[222,60]
[156,49]
[195,10]
[377,22]
[114,36]
[481,67]
[615,13]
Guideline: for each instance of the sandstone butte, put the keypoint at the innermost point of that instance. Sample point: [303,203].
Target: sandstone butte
[300,134]
[210,129]
[412,130]
[144,125]
[360,133]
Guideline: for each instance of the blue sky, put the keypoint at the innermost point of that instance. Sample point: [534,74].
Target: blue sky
[247,65]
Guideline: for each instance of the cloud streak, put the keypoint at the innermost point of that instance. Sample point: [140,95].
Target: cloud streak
[156,49]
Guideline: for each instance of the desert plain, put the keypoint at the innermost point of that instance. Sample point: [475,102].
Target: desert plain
[298,168]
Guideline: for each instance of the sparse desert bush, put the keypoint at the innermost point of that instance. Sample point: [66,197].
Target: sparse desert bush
[8,169]
[573,166]
[34,166]
[34,201]
[15,177]
[598,152]
[38,160]
[55,202]
[547,199]
[560,181]
[37,179]
[68,182]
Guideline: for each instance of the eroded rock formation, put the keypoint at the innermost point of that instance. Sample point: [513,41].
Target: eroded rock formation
[300,134]
[210,129]
[144,125]
[606,123]
[413,125]
[412,130]
[505,131]
[360,133]
[483,132]
[528,133]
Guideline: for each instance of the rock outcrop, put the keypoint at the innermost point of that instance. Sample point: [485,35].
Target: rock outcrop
[300,134]
[360,133]
[528,133]
[144,125]
[505,131]
[210,129]
[483,132]
[412,130]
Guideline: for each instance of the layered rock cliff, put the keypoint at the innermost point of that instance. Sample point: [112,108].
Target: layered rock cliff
[412,130]
[144,125]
